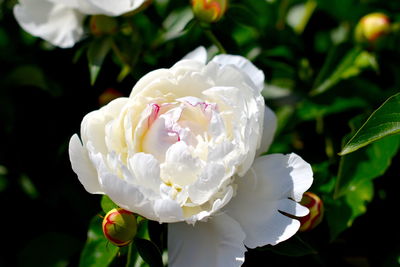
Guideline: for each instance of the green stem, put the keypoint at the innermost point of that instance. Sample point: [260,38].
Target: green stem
[214,40]
[131,257]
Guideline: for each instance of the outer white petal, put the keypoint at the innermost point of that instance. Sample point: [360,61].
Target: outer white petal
[94,124]
[199,54]
[168,210]
[127,196]
[269,128]
[264,190]
[82,166]
[216,243]
[56,23]
[255,75]
[116,8]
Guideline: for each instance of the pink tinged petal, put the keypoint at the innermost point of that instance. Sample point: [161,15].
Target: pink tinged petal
[217,243]
[56,23]
[83,167]
[146,170]
[254,74]
[159,138]
[264,191]
[269,128]
[199,54]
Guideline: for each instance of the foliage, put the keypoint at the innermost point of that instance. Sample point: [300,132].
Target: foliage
[331,96]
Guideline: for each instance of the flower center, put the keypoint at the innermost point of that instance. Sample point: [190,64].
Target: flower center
[185,120]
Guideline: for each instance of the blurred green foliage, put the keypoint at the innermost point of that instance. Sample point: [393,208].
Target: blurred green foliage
[320,82]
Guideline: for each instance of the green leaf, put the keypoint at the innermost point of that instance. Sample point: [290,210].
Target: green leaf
[175,24]
[157,233]
[49,249]
[383,122]
[96,54]
[341,213]
[149,252]
[294,247]
[365,164]
[308,110]
[28,186]
[355,61]
[98,252]
[107,204]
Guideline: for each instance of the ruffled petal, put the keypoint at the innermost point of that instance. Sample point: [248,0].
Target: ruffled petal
[269,187]
[199,54]
[82,166]
[217,243]
[207,183]
[146,170]
[56,23]
[255,75]
[126,195]
[269,128]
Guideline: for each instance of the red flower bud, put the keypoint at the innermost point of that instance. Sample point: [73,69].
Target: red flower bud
[316,207]
[209,10]
[108,95]
[101,25]
[119,227]
[371,27]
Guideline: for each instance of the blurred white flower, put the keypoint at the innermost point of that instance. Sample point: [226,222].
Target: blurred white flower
[184,148]
[60,22]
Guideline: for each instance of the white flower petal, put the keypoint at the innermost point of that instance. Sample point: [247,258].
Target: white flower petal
[146,170]
[168,210]
[127,196]
[207,183]
[56,23]
[255,75]
[82,166]
[199,54]
[216,243]
[94,124]
[292,207]
[180,167]
[263,191]
[269,128]
[116,8]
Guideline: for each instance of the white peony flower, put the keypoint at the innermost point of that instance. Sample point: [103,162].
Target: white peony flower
[60,22]
[184,148]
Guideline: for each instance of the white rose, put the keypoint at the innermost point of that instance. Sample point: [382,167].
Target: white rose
[60,22]
[181,149]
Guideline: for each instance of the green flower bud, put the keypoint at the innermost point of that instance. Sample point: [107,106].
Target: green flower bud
[316,207]
[101,25]
[371,27]
[119,227]
[209,10]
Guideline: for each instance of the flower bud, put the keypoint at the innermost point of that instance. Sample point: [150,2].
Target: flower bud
[316,207]
[108,95]
[101,25]
[209,10]
[371,27]
[119,227]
